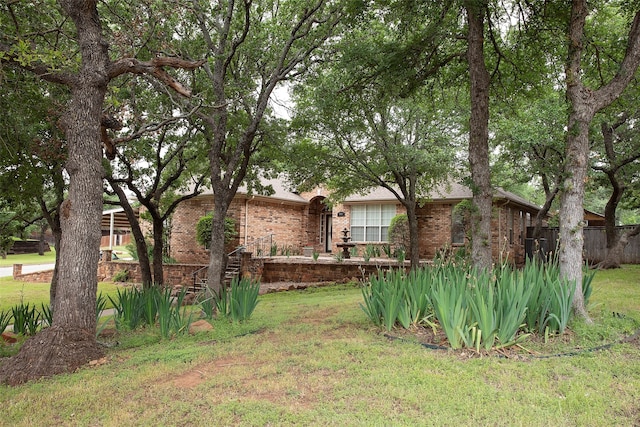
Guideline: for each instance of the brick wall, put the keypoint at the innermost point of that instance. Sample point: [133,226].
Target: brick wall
[434,229]
[174,274]
[308,271]
[288,223]
[37,277]
[434,225]
[184,247]
[297,226]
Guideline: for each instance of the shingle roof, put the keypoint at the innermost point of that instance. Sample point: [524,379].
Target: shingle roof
[451,192]
[280,188]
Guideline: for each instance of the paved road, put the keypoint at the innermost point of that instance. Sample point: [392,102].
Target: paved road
[8,271]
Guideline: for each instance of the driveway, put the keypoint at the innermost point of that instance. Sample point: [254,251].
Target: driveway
[8,271]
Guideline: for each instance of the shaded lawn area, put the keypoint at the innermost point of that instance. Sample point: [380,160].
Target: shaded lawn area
[29,259]
[312,358]
[13,292]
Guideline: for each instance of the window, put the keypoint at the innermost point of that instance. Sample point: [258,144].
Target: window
[370,223]
[457,226]
[510,224]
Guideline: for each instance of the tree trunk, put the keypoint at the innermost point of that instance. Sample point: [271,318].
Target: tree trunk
[158,251]
[479,138]
[585,103]
[217,255]
[614,254]
[414,238]
[70,342]
[57,238]
[41,241]
[571,210]
[542,213]
[138,236]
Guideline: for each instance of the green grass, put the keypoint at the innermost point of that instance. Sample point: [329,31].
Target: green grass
[48,257]
[312,358]
[26,259]
[13,292]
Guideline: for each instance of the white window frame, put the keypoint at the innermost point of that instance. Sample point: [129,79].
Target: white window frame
[371,222]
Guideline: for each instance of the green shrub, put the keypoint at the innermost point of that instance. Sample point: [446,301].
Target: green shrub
[399,236]
[127,308]
[152,307]
[46,314]
[208,306]
[133,251]
[26,319]
[121,276]
[203,230]
[473,308]
[238,301]
[372,251]
[5,320]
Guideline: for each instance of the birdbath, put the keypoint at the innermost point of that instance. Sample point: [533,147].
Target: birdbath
[345,244]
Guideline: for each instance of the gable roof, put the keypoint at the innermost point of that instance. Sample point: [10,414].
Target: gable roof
[281,192]
[451,192]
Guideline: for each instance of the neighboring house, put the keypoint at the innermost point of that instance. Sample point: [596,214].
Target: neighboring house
[116,230]
[593,219]
[302,220]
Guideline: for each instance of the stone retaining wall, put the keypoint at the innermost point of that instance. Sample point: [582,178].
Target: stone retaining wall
[296,269]
[36,277]
[302,269]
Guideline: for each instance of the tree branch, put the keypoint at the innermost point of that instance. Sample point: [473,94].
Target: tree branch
[155,68]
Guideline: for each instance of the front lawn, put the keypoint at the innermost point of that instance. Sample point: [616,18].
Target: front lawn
[313,358]
[13,292]
[29,259]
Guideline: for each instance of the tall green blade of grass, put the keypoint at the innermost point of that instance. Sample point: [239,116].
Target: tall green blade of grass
[417,290]
[372,306]
[512,299]
[244,298]
[26,319]
[483,312]
[165,311]
[450,309]
[5,320]
[127,308]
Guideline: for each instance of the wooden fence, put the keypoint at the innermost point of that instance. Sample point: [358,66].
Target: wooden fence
[595,243]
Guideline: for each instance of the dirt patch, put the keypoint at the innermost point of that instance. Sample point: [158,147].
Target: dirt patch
[296,387]
[199,374]
[316,317]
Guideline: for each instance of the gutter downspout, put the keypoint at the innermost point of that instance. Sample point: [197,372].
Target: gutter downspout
[111,222]
[246,220]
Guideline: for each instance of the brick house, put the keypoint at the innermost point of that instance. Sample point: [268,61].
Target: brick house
[302,220]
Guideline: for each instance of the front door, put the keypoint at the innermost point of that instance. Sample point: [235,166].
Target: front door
[328,229]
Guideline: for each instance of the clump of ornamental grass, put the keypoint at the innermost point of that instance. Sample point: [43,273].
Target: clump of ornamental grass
[153,307]
[237,301]
[474,308]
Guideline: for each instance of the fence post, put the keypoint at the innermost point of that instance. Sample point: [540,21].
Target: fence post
[17,270]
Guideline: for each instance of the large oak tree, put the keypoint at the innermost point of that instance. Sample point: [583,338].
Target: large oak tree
[251,49]
[70,341]
[585,102]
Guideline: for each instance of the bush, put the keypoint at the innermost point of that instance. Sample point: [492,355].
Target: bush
[5,320]
[121,276]
[153,306]
[203,230]
[399,236]
[473,308]
[26,319]
[238,301]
